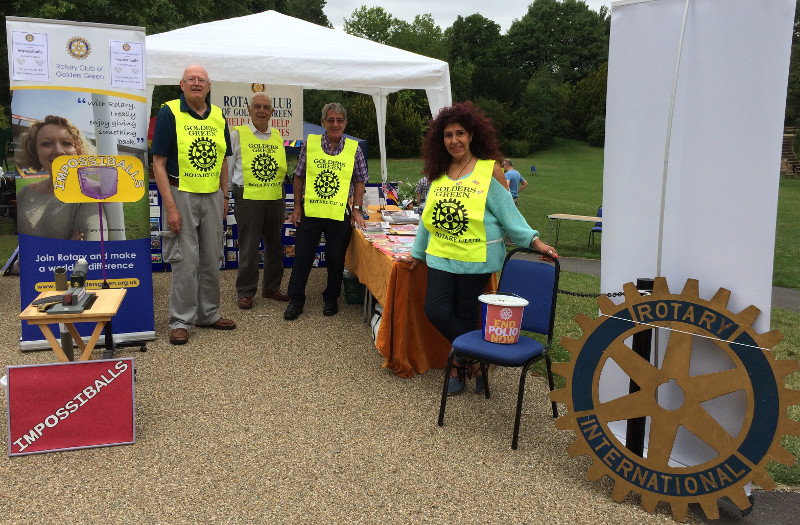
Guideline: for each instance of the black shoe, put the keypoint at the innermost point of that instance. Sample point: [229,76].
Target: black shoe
[292,312]
[330,309]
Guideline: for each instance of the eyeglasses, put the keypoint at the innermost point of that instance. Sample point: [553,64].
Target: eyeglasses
[198,80]
[335,120]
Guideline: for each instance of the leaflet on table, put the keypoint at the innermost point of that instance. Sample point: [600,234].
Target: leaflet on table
[401,239]
[400,216]
[403,229]
[392,248]
[375,227]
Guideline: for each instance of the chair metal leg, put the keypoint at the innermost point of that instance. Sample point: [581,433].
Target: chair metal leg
[520,395]
[485,375]
[552,385]
[444,387]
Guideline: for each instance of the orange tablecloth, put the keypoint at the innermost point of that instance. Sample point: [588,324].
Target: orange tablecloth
[406,339]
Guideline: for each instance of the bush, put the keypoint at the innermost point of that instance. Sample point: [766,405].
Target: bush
[517,129]
[515,148]
[362,121]
[596,131]
[796,143]
[404,128]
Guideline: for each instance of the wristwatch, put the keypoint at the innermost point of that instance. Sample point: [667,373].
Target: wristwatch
[357,208]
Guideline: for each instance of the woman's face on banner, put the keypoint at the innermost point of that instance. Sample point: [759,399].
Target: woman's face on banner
[52,141]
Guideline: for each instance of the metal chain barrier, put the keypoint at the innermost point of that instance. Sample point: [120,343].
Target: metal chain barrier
[593,295]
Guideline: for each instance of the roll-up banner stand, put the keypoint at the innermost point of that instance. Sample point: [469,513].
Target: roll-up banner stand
[79,118]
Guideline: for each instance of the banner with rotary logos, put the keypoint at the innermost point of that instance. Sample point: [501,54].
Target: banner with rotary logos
[79,119]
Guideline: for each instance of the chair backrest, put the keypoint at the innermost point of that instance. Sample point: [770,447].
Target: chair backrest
[599,214]
[535,280]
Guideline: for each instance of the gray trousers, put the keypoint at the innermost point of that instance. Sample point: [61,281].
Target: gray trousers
[195,256]
[257,220]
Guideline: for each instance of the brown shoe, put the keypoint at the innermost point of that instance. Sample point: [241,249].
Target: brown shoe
[179,336]
[245,303]
[220,324]
[276,295]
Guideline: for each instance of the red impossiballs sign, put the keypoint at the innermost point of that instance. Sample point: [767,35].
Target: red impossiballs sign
[64,406]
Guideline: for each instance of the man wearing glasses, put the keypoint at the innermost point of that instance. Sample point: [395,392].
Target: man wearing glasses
[258,166]
[190,143]
[332,170]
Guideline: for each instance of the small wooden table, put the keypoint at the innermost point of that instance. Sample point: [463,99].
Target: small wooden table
[558,217]
[104,308]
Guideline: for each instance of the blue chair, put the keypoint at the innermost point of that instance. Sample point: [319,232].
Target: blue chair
[536,281]
[597,228]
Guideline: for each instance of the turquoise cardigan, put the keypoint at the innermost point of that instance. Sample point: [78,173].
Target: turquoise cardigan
[501,217]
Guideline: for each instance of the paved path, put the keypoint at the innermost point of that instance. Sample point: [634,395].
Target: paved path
[787,298]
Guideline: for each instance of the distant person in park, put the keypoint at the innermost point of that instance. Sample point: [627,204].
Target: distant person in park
[421,191]
[39,212]
[190,143]
[515,181]
[460,237]
[332,170]
[259,166]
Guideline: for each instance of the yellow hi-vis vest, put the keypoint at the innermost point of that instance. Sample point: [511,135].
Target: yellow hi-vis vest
[454,213]
[328,179]
[201,149]
[263,165]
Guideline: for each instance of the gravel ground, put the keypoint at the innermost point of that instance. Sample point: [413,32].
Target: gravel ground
[297,422]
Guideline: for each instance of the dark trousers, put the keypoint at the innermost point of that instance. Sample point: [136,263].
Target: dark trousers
[451,301]
[257,220]
[337,239]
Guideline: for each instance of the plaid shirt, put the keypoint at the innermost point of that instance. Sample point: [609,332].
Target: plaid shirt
[422,189]
[360,173]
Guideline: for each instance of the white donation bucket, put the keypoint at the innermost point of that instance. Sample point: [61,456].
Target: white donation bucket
[501,317]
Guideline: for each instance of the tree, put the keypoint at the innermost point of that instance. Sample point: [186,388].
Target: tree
[372,23]
[404,128]
[792,118]
[476,39]
[308,10]
[544,98]
[567,38]
[422,36]
[587,101]
[461,73]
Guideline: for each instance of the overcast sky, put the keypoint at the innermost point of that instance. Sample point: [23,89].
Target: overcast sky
[444,13]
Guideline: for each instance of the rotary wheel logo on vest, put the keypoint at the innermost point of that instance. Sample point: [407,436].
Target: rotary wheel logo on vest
[203,154]
[327,184]
[734,454]
[449,215]
[264,167]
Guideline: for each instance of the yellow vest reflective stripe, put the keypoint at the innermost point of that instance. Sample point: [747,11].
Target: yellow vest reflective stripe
[328,178]
[454,213]
[263,165]
[201,149]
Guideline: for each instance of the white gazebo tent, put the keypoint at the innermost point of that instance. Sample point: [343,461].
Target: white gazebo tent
[295,52]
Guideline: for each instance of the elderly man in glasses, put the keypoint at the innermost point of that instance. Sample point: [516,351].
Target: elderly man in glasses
[190,143]
[258,167]
[332,169]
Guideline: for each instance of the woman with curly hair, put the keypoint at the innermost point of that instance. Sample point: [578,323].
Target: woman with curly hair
[39,212]
[468,213]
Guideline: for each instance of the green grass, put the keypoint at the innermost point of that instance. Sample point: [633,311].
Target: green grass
[787,250]
[569,179]
[788,322]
